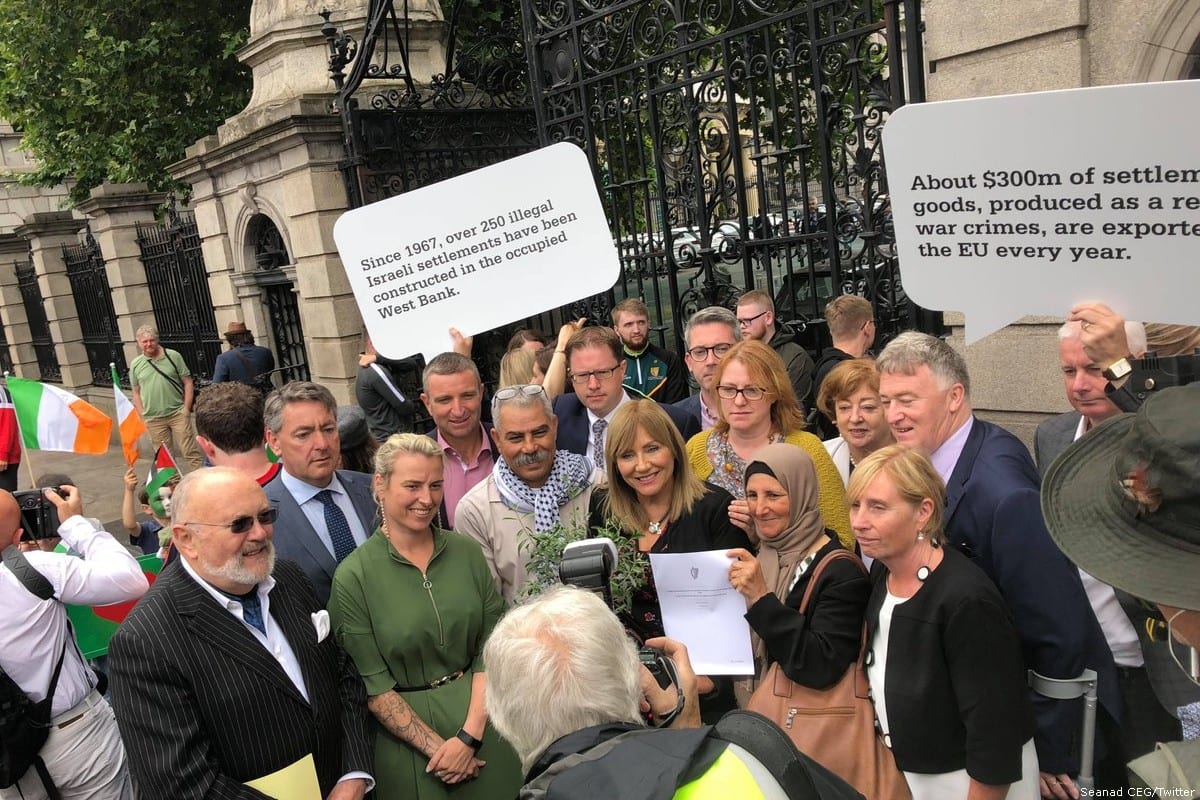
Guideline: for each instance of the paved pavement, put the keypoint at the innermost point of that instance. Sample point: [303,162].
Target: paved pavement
[101,478]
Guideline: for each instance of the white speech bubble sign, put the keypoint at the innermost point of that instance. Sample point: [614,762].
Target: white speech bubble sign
[1029,204]
[477,251]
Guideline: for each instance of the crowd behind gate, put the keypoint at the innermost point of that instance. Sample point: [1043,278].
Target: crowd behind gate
[354,602]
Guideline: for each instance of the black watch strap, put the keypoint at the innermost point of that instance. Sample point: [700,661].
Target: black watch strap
[469,740]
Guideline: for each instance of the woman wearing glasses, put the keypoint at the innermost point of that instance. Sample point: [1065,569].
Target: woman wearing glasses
[413,606]
[653,492]
[757,407]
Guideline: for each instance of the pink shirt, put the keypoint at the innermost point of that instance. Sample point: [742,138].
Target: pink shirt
[458,477]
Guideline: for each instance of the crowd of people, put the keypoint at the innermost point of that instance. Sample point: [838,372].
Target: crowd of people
[333,612]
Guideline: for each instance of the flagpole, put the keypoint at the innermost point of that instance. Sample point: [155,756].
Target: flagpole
[20,434]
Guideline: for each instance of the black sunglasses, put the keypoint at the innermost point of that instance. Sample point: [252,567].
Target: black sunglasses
[244,524]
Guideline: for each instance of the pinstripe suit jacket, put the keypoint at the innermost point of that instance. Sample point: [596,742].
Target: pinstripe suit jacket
[203,706]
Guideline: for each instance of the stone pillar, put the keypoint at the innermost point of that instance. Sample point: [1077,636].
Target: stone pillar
[14,249]
[115,209]
[47,232]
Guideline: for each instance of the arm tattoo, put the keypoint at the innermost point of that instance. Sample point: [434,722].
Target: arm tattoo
[395,714]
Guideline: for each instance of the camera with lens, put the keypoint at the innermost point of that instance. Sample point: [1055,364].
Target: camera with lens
[39,517]
[589,564]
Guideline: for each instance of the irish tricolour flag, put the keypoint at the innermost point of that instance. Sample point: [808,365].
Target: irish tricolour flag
[52,419]
[129,422]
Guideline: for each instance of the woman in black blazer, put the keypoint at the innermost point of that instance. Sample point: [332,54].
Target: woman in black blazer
[813,649]
[944,661]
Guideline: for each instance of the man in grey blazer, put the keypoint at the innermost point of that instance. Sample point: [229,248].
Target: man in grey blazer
[324,512]
[226,672]
[1151,688]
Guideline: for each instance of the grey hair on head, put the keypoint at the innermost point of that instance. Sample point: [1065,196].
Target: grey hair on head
[912,349]
[294,392]
[708,316]
[520,399]
[557,664]
[1135,334]
[448,364]
[146,330]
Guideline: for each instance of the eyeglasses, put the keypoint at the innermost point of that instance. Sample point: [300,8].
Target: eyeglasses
[581,378]
[243,524]
[745,323]
[751,393]
[701,353]
[509,392]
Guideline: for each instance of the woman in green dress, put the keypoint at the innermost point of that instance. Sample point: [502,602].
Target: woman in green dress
[413,606]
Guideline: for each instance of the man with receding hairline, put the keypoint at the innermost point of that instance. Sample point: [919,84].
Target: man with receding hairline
[224,673]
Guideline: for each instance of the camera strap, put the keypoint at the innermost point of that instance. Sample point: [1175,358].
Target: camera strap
[25,572]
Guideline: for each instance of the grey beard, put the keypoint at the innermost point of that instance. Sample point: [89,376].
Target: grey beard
[235,570]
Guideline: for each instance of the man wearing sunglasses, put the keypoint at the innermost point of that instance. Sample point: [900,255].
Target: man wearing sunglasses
[756,318]
[709,335]
[226,672]
[596,368]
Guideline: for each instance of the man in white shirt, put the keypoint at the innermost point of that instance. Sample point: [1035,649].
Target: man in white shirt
[83,754]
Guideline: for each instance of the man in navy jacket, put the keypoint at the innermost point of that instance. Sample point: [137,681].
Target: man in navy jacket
[993,515]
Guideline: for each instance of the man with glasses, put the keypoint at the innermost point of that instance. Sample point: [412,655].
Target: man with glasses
[756,318]
[709,335]
[324,512]
[596,368]
[532,487]
[851,323]
[226,672]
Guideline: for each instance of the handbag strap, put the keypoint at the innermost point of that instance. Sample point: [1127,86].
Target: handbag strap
[820,570]
[177,384]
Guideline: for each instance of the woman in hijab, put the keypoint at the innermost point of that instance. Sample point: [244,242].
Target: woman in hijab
[813,649]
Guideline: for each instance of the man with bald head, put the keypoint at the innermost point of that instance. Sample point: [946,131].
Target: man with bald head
[82,755]
[226,672]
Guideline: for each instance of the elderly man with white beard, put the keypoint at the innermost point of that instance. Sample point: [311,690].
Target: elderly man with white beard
[532,488]
[226,672]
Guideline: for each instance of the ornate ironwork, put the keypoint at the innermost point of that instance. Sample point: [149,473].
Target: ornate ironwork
[712,125]
[6,362]
[39,326]
[179,294]
[400,134]
[97,317]
[279,294]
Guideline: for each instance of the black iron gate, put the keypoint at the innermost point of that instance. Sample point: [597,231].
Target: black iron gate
[736,144]
[178,283]
[270,257]
[97,318]
[39,326]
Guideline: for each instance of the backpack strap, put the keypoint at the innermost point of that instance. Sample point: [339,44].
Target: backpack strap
[25,572]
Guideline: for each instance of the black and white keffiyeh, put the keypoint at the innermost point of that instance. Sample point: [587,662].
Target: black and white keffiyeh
[570,475]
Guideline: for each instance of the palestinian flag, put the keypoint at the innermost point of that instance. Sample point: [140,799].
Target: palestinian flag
[162,471]
[52,419]
[95,625]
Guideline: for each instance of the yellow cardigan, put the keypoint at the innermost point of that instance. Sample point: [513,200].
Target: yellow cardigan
[831,492]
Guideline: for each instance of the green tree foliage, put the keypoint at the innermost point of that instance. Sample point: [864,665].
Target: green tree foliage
[115,90]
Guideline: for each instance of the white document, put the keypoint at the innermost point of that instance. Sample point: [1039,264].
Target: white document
[701,609]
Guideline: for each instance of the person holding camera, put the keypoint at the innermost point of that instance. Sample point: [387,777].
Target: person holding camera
[566,689]
[82,755]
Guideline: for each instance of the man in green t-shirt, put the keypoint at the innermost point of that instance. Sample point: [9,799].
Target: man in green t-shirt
[162,394]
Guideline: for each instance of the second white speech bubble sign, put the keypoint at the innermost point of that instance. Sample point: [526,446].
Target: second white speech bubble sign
[478,251]
[1029,204]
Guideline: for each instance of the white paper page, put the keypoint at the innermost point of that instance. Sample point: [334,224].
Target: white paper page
[701,609]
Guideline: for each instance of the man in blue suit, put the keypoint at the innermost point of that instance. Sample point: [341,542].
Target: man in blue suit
[596,367]
[324,512]
[993,515]
[708,335]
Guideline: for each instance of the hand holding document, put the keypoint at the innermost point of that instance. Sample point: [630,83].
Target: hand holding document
[702,610]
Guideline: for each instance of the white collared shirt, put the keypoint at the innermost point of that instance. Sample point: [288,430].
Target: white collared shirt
[305,496]
[592,419]
[32,630]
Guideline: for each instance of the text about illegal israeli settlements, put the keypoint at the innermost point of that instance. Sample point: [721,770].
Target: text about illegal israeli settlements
[960,216]
[433,268]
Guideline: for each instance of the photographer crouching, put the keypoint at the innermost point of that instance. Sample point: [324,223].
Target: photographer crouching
[58,737]
[567,690]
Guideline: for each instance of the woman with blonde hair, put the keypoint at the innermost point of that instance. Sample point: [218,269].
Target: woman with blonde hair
[412,607]
[654,493]
[849,398]
[516,368]
[944,660]
[757,408]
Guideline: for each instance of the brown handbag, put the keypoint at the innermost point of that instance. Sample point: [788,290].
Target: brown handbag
[834,726]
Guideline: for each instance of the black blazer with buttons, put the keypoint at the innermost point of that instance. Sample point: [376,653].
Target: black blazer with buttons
[203,706]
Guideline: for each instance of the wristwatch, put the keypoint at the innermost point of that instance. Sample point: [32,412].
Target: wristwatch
[1118,370]
[469,740]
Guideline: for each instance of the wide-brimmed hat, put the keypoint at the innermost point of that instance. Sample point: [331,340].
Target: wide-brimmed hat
[1124,501]
[235,328]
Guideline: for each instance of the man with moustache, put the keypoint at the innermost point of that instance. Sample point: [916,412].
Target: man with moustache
[650,370]
[225,672]
[324,512]
[531,487]
[993,515]
[709,335]
[453,395]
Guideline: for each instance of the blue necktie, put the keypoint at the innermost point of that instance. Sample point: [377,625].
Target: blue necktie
[598,442]
[338,527]
[252,611]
